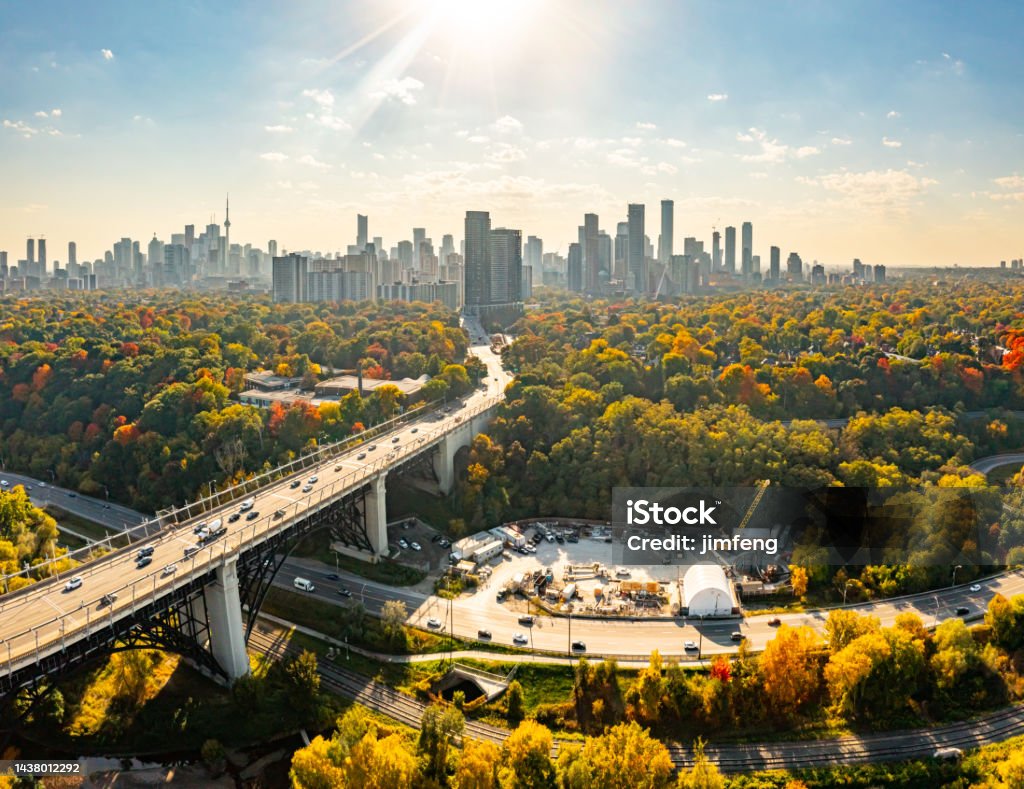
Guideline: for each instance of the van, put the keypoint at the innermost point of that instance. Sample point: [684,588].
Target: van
[304,584]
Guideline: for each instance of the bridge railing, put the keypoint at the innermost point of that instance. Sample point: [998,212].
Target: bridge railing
[150,527]
[32,643]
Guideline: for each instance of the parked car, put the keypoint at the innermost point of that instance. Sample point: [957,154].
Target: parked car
[415,546]
[402,543]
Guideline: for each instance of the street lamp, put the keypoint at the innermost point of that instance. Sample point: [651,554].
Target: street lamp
[846,586]
[958,567]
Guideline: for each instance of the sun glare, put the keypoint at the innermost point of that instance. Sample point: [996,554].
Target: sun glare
[478,23]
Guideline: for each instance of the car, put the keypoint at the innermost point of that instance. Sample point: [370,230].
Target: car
[278,514]
[579,646]
[483,634]
[559,539]
[106,506]
[28,487]
[71,495]
[690,646]
[394,440]
[948,754]
[434,623]
[435,538]
[146,551]
[252,516]
[307,488]
[296,483]
[73,584]
[170,569]
[234,516]
[199,528]
[415,546]
[42,484]
[344,592]
[520,638]
[415,430]
[190,549]
[527,620]
[107,599]
[975,587]
[495,379]
[360,456]
[774,621]
[332,577]
[145,561]
[962,610]
[313,480]
[445,542]
[248,504]
[5,483]
[338,467]
[736,635]
[371,447]
[402,543]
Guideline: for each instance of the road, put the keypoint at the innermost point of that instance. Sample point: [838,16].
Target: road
[986,464]
[43,617]
[109,514]
[883,746]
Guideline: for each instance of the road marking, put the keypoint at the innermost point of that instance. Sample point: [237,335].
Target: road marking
[55,607]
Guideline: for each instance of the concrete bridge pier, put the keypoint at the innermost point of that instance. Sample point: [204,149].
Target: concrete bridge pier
[443,460]
[227,632]
[375,513]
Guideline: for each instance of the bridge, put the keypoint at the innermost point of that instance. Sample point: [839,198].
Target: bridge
[199,598]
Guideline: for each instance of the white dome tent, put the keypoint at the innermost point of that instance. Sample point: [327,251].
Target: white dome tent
[706,591]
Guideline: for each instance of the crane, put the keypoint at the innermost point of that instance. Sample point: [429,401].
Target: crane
[762,486]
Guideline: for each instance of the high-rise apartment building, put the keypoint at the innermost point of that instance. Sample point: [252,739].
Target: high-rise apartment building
[533,252]
[635,260]
[574,270]
[72,254]
[748,248]
[667,231]
[506,266]
[289,279]
[795,267]
[730,249]
[41,261]
[775,264]
[362,231]
[477,259]
[716,251]
[591,254]
[620,269]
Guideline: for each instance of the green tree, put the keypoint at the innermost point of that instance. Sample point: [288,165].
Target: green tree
[439,726]
[704,773]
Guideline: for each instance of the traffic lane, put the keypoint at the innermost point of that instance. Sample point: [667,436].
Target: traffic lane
[75,503]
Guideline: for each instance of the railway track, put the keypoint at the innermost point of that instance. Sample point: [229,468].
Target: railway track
[730,757]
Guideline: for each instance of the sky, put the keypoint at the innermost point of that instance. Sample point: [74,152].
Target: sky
[892,132]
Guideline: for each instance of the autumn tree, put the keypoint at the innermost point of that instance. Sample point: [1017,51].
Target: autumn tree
[526,758]
[791,670]
[625,757]
[703,774]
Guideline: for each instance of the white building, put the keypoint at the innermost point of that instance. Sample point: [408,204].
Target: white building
[707,592]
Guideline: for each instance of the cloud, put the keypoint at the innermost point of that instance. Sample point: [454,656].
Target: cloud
[107,54]
[506,124]
[274,156]
[891,143]
[955,64]
[806,150]
[279,129]
[1010,181]
[28,132]
[478,139]
[672,142]
[646,126]
[56,113]
[325,100]
[505,154]
[633,141]
[42,114]
[842,141]
[312,162]
[718,96]
[401,90]
[772,151]
[873,188]
[892,114]
[322,97]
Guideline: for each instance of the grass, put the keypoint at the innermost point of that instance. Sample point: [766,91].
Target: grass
[316,546]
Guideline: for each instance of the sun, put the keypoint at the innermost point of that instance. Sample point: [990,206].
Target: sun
[479,23]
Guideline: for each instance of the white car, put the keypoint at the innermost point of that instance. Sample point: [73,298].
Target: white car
[307,488]
[520,638]
[402,543]
[434,623]
[170,569]
[690,646]
[975,587]
[73,584]
[5,483]
[312,480]
[415,546]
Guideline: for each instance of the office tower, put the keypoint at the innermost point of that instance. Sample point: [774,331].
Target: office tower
[155,258]
[176,264]
[378,245]
[533,252]
[730,249]
[716,251]
[136,263]
[41,261]
[72,254]
[506,265]
[795,267]
[591,255]
[190,236]
[405,254]
[879,272]
[289,279]
[30,258]
[667,230]
[3,265]
[604,256]
[747,248]
[858,269]
[362,231]
[574,275]
[621,251]
[636,260]
[418,236]
[447,247]
[817,274]
[477,258]
[271,248]
[775,271]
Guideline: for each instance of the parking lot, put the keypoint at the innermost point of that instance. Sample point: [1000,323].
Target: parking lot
[415,543]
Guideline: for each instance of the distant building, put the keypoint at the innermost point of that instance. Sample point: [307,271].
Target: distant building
[747,233]
[574,272]
[636,259]
[288,280]
[667,231]
[730,250]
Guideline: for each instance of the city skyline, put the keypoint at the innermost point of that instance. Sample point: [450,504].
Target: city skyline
[829,128]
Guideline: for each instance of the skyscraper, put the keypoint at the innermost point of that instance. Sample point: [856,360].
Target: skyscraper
[190,236]
[748,248]
[730,249]
[506,265]
[419,234]
[72,254]
[591,254]
[533,253]
[574,268]
[30,258]
[775,271]
[289,279]
[635,260]
[42,257]
[226,246]
[362,231]
[716,251]
[667,230]
[271,248]
[478,258]
[795,267]
[621,252]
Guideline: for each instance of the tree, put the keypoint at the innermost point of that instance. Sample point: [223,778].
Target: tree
[798,578]
[791,670]
[303,681]
[1006,618]
[875,673]
[439,726]
[625,757]
[526,758]
[393,616]
[704,773]
[380,764]
[843,626]
[515,711]
[478,766]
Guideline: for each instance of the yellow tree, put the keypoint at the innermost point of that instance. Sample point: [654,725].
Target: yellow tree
[798,578]
[626,757]
[526,757]
[380,764]
[703,775]
[790,669]
[320,765]
[478,766]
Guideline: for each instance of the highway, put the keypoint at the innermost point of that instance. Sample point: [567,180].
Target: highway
[40,619]
[109,514]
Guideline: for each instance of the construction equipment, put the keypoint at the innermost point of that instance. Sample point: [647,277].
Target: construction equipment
[762,486]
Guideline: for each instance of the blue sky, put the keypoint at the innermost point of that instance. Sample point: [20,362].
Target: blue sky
[889,131]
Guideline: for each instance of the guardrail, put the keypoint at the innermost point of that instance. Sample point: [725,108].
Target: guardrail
[259,530]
